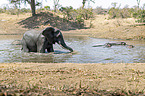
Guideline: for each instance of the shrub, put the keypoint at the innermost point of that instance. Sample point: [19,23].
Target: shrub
[119,13]
[77,15]
[79,19]
[67,11]
[141,16]
[24,10]
[100,10]
[113,13]
[1,10]
[47,7]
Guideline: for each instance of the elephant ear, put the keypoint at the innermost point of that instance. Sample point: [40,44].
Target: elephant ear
[48,32]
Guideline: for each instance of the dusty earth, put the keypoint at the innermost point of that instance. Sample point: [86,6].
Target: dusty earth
[73,79]
[101,27]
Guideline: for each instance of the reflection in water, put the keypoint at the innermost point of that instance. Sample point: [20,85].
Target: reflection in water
[84,52]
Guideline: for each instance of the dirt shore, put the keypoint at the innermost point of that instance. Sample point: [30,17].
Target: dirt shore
[125,29]
[71,78]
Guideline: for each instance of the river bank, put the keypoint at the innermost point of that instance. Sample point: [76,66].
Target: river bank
[72,79]
[101,27]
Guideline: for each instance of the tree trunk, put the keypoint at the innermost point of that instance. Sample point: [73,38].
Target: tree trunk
[56,4]
[84,1]
[138,2]
[33,7]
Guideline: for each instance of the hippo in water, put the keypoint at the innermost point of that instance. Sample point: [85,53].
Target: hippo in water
[114,44]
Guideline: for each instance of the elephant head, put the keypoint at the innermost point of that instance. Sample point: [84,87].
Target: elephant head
[49,34]
[54,35]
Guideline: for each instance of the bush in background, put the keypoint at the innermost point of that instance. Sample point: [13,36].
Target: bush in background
[81,14]
[100,10]
[14,10]
[77,15]
[120,13]
[138,13]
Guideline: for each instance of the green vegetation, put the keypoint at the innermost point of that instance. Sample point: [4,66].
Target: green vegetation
[96,21]
[77,15]
[72,16]
[140,15]
[120,13]
[136,12]
[14,10]
[81,14]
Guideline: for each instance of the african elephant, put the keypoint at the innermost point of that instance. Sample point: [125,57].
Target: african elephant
[39,41]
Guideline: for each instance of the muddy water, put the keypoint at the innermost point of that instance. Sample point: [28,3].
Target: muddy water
[84,52]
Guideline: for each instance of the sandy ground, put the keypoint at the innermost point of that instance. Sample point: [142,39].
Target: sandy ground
[101,27]
[126,29]
[75,79]
[67,78]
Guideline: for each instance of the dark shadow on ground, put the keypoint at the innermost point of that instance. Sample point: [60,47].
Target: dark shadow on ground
[50,19]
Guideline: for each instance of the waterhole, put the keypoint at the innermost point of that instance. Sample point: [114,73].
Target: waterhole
[83,51]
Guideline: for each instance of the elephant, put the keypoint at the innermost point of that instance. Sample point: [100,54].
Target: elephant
[40,41]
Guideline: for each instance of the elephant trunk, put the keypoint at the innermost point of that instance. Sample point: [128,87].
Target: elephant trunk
[62,43]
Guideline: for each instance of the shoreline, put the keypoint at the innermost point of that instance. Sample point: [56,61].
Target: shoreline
[68,78]
[125,29]
[94,35]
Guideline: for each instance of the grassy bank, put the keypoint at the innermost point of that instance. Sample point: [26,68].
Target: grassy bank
[72,79]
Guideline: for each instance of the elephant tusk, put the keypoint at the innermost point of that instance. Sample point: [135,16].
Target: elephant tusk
[58,34]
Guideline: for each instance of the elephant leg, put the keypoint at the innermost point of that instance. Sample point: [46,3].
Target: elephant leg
[40,49]
[41,45]
[24,46]
[50,48]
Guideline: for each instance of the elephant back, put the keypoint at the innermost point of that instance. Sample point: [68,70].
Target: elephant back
[33,34]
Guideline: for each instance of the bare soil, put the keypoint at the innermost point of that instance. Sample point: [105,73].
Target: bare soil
[126,29]
[72,79]
[101,27]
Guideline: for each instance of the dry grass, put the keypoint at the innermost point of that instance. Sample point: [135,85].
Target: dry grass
[8,24]
[68,78]
[102,27]
[114,28]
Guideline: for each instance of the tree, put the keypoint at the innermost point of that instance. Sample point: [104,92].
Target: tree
[56,5]
[84,2]
[31,2]
[114,4]
[138,2]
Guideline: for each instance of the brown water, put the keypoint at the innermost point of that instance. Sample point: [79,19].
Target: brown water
[84,52]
